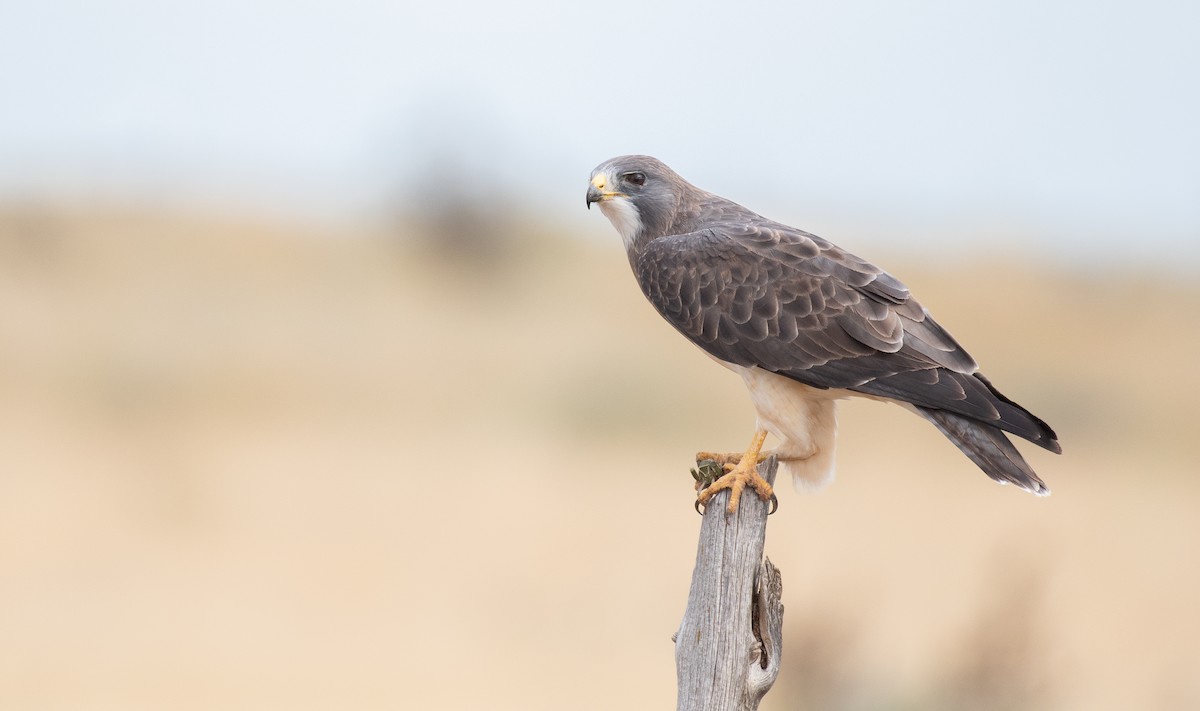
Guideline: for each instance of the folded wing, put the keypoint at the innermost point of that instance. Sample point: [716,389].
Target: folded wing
[758,293]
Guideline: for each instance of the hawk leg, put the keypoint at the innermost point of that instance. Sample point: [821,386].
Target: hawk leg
[742,470]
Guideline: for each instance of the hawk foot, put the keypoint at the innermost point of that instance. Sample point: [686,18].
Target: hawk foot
[736,480]
[742,470]
[711,466]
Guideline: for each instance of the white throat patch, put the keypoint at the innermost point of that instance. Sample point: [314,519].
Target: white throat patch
[621,212]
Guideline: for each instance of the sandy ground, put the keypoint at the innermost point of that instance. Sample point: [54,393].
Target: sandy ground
[246,467]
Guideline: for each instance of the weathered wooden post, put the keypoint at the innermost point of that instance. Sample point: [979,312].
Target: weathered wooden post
[727,647]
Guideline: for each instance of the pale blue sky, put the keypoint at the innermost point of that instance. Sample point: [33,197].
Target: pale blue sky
[1073,121]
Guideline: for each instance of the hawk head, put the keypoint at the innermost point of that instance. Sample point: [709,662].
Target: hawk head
[639,195]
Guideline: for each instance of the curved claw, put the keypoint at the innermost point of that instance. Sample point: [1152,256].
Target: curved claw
[773,509]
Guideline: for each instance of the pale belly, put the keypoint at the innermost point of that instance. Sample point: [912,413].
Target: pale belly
[802,419]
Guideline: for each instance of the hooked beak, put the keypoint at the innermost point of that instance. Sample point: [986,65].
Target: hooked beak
[596,191]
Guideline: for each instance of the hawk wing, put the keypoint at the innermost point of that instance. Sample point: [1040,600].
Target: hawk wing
[766,295]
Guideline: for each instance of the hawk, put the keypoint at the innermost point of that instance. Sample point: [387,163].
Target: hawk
[804,323]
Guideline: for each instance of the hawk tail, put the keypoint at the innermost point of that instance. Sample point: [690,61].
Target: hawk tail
[987,446]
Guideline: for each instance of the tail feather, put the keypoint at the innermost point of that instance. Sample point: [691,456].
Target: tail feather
[987,446]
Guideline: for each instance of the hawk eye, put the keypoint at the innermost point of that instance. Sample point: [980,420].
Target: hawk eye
[635,178]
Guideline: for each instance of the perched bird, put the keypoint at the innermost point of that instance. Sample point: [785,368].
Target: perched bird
[804,323]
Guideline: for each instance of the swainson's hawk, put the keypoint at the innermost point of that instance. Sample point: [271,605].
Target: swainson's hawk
[804,323]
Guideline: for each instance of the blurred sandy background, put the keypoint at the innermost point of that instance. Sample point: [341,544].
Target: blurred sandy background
[251,467]
[319,388]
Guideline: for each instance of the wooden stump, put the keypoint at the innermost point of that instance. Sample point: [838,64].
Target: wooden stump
[727,647]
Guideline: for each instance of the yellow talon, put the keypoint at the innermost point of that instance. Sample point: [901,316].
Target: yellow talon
[744,472]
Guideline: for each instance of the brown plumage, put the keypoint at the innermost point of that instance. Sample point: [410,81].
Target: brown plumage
[758,295]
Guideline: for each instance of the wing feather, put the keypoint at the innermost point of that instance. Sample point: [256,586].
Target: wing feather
[757,293]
